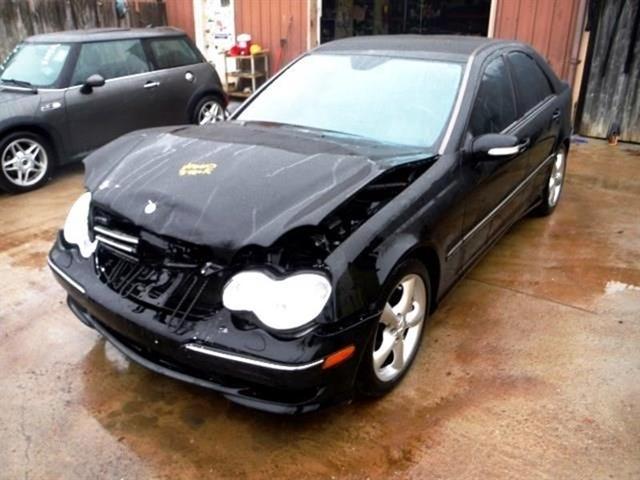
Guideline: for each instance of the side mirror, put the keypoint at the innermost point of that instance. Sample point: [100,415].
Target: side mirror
[92,82]
[497,145]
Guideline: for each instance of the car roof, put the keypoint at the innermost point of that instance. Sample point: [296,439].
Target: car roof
[104,34]
[455,47]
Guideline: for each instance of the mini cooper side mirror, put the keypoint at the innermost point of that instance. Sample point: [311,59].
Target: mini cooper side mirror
[92,82]
[497,145]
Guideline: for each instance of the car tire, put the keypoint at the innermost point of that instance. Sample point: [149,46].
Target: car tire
[26,162]
[554,185]
[209,110]
[395,343]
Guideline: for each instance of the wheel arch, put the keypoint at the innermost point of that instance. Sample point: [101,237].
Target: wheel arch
[204,93]
[54,140]
[408,247]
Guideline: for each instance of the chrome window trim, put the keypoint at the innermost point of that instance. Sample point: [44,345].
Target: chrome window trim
[109,80]
[65,277]
[194,347]
[458,105]
[493,212]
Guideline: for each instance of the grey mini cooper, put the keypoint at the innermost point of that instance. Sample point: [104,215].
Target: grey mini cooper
[62,95]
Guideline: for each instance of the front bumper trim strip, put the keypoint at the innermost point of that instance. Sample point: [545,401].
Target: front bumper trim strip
[65,277]
[194,347]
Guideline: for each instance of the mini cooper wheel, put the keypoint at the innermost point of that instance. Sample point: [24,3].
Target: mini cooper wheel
[555,182]
[25,162]
[209,110]
[396,339]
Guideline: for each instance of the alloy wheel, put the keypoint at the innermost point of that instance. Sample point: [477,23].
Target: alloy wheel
[210,112]
[556,179]
[399,328]
[24,162]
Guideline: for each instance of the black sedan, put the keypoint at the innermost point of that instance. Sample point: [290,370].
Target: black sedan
[290,257]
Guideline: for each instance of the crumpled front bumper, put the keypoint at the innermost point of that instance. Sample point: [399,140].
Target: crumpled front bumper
[249,367]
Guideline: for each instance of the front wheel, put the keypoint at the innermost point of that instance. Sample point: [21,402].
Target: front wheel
[398,332]
[209,110]
[25,162]
[555,182]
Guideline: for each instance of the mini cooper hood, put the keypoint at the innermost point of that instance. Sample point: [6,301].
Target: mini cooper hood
[14,102]
[231,185]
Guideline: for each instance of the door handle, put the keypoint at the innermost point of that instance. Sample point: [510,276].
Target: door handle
[523,145]
[556,114]
[151,84]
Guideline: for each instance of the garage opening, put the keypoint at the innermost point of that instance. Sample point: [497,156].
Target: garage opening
[346,18]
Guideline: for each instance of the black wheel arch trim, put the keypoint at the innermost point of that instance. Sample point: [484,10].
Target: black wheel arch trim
[33,125]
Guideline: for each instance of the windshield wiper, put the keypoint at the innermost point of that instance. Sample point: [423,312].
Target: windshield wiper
[19,83]
[304,128]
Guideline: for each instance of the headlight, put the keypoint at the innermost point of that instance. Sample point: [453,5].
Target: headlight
[279,304]
[76,227]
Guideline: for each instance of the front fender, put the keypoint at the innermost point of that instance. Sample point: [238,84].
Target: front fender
[33,124]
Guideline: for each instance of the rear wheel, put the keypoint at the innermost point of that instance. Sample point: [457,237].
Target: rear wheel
[398,333]
[26,161]
[209,110]
[555,182]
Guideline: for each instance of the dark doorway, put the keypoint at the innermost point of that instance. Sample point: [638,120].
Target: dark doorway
[346,18]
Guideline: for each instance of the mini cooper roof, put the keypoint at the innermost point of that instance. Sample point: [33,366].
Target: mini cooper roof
[452,47]
[104,34]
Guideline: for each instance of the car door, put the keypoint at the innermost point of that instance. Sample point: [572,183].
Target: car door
[490,179]
[126,101]
[539,108]
[181,71]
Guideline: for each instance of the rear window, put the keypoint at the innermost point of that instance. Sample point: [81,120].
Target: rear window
[532,84]
[110,60]
[173,52]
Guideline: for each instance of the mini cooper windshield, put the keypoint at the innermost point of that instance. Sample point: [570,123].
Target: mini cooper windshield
[362,95]
[37,65]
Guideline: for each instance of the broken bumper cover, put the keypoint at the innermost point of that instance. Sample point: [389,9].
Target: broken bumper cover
[251,368]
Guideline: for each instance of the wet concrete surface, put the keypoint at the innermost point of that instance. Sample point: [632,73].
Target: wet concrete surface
[529,369]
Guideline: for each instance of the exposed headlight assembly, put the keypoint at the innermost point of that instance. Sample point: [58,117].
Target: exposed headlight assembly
[279,304]
[76,227]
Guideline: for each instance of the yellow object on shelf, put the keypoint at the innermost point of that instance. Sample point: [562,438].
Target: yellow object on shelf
[255,49]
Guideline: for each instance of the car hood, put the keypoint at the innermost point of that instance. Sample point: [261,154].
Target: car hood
[231,185]
[14,102]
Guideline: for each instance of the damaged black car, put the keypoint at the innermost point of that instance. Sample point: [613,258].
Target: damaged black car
[291,257]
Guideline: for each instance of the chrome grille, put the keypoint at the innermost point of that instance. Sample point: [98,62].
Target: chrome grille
[166,275]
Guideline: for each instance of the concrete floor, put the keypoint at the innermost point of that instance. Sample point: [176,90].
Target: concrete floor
[530,368]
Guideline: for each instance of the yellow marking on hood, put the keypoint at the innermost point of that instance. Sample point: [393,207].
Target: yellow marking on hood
[197,169]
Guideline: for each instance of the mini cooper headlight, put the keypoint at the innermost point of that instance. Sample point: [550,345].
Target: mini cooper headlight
[279,304]
[76,226]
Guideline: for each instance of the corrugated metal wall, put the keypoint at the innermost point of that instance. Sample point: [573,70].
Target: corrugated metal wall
[548,25]
[180,14]
[278,25]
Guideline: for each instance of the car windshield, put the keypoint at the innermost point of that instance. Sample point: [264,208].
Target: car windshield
[38,65]
[392,100]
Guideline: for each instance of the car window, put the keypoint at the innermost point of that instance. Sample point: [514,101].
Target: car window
[494,108]
[38,64]
[532,84]
[392,100]
[173,52]
[110,59]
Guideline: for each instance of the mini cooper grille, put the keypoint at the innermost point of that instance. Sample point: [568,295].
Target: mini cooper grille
[154,272]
